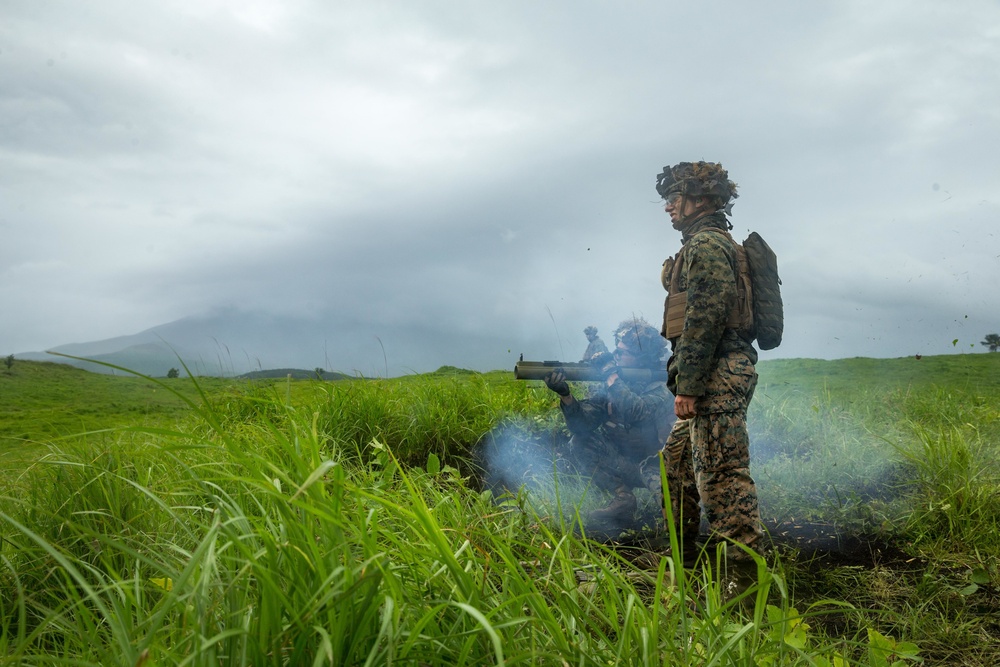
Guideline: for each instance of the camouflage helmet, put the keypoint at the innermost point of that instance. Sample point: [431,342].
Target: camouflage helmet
[697,179]
[642,340]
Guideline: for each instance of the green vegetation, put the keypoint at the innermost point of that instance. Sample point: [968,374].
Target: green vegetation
[45,401]
[286,522]
[294,373]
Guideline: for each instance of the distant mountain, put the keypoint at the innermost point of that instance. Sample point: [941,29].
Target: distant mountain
[294,373]
[226,342]
[230,342]
[155,359]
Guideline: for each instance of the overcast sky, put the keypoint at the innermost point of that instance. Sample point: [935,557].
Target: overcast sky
[486,170]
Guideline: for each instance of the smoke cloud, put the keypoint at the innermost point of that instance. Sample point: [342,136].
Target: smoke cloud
[522,456]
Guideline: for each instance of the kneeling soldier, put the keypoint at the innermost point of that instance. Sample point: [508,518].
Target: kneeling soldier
[618,431]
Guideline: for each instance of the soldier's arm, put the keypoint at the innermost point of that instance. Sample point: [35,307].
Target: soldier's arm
[582,417]
[711,293]
[635,407]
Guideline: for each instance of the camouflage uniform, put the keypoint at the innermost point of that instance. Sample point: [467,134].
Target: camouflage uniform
[617,429]
[595,346]
[708,456]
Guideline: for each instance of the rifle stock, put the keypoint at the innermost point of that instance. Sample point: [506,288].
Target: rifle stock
[578,371]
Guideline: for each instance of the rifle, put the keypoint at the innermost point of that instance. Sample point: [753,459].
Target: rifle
[580,371]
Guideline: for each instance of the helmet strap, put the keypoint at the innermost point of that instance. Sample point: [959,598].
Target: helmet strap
[684,221]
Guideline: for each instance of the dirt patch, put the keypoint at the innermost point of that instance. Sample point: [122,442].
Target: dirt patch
[831,545]
[812,545]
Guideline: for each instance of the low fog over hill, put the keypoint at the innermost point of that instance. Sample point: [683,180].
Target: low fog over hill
[231,342]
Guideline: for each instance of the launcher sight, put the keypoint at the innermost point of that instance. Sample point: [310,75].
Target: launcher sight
[579,371]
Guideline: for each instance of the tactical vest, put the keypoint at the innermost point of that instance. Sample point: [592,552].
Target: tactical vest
[758,313]
[674,308]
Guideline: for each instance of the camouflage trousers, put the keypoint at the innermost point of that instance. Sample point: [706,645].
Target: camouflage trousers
[707,460]
[612,465]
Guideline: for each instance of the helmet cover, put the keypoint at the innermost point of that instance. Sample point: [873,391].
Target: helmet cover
[642,340]
[697,179]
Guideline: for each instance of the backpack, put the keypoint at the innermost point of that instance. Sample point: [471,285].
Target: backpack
[758,309]
[768,310]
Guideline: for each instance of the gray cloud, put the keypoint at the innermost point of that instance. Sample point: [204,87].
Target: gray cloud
[483,174]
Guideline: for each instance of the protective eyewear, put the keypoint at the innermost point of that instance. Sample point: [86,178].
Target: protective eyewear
[671,198]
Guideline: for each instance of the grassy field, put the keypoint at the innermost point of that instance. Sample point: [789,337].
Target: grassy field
[46,401]
[305,522]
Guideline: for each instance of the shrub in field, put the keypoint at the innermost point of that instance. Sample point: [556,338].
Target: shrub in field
[444,413]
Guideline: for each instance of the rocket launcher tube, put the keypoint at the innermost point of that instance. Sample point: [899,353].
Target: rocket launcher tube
[578,371]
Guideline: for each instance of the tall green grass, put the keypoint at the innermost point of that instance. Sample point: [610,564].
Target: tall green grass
[910,458]
[919,461]
[335,523]
[270,540]
[446,414]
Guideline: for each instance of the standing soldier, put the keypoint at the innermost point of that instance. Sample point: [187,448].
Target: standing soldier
[596,346]
[711,368]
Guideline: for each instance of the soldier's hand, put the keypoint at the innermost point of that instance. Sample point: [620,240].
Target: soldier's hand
[605,363]
[601,359]
[556,381]
[684,407]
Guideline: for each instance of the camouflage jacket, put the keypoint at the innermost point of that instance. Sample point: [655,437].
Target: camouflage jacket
[708,275]
[635,417]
